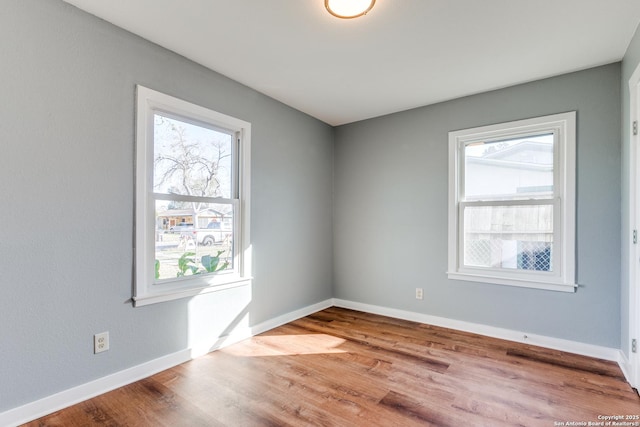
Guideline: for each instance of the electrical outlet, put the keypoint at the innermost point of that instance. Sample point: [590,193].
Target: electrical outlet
[100,342]
[419,293]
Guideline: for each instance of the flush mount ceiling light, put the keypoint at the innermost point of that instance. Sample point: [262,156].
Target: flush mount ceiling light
[347,9]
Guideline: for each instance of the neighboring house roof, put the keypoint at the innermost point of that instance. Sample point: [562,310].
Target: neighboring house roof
[523,155]
[515,152]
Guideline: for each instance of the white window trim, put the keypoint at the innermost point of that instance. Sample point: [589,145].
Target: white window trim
[563,277]
[146,289]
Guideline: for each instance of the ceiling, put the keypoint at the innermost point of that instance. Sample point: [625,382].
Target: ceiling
[402,54]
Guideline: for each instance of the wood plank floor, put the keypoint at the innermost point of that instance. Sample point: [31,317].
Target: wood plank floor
[346,368]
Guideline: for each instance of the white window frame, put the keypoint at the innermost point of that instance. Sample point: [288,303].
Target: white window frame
[148,290]
[562,278]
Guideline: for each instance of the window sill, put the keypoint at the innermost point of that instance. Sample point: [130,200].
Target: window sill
[549,286]
[173,294]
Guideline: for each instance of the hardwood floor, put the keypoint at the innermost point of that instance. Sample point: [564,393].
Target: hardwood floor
[346,368]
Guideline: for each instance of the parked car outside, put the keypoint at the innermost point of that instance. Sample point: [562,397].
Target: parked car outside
[215,233]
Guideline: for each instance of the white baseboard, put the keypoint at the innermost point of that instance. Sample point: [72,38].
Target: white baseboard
[66,398]
[590,350]
[102,385]
[625,366]
[290,317]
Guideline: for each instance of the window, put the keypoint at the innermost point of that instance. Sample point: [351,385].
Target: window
[192,199]
[512,203]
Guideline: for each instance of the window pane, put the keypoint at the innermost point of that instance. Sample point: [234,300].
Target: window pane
[519,168]
[190,159]
[193,238]
[513,237]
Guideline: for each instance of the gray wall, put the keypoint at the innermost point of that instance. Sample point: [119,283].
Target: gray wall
[66,179]
[390,201]
[630,61]
[66,176]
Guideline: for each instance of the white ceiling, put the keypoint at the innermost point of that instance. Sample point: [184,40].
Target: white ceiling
[403,54]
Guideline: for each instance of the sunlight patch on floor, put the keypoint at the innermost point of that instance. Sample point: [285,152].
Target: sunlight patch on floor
[286,345]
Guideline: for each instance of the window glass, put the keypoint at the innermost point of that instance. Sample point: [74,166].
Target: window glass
[517,168]
[203,246]
[513,237]
[191,159]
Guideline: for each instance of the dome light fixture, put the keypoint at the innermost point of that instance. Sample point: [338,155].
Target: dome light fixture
[347,9]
